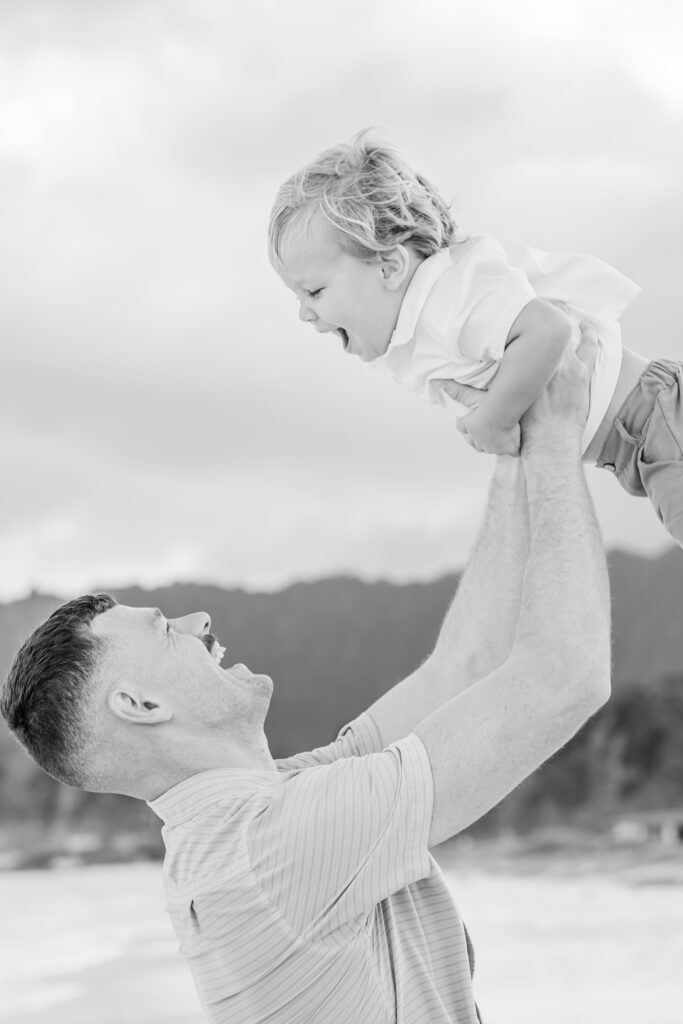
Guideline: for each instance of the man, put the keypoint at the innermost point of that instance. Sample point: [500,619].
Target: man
[303,890]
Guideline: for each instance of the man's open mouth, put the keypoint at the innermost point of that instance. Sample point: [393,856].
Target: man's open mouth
[213,647]
[344,338]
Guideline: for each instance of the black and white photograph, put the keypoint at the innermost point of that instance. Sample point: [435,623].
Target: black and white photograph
[341,581]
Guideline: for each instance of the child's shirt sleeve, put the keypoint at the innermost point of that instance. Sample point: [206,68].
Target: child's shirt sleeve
[475,303]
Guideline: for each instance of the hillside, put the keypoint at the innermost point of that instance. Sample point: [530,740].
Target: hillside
[333,646]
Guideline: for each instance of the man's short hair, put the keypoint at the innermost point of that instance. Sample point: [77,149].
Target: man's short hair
[45,697]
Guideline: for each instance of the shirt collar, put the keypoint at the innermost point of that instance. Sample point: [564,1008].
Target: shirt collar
[200,792]
[423,280]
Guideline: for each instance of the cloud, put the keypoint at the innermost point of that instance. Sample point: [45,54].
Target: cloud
[165,412]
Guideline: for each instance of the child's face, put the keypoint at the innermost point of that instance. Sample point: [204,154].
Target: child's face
[340,293]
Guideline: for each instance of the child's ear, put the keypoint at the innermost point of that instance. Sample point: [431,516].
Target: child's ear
[394,266]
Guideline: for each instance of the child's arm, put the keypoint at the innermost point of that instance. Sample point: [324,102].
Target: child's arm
[533,350]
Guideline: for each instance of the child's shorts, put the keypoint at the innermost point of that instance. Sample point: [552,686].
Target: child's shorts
[644,448]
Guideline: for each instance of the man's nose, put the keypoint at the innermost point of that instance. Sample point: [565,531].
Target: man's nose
[197,624]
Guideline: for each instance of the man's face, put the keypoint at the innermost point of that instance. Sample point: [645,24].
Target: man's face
[339,293]
[176,663]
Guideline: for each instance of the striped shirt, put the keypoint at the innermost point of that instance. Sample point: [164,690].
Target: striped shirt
[308,895]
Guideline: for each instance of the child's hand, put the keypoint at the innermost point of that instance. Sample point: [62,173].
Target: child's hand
[486,436]
[480,432]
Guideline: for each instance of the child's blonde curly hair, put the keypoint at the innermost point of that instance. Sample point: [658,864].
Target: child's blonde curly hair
[370,194]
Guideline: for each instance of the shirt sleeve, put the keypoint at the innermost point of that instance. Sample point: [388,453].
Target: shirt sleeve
[477,301]
[339,838]
[361,736]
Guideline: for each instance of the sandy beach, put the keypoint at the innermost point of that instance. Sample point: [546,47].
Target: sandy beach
[93,946]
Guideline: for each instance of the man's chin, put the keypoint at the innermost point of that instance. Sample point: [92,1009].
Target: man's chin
[265,683]
[261,684]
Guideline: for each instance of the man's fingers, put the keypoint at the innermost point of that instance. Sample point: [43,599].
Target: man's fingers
[587,349]
[462,393]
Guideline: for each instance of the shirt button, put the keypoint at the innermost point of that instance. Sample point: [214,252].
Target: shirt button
[610,466]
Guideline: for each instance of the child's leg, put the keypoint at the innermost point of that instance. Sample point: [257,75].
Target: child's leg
[660,458]
[645,447]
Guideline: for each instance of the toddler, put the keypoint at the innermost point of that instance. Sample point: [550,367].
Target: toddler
[373,255]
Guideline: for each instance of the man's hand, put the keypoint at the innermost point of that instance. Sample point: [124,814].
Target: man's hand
[558,416]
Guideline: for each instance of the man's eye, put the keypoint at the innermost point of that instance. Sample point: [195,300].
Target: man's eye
[315,293]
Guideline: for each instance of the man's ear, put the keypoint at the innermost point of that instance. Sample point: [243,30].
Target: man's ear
[394,266]
[131,706]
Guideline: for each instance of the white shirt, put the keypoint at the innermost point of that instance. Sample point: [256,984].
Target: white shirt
[308,895]
[461,303]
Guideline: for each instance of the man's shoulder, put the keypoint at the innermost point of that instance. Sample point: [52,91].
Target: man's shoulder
[355,739]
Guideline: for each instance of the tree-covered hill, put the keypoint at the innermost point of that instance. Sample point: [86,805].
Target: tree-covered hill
[333,646]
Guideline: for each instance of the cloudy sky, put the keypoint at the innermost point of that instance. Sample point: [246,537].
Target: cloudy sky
[164,415]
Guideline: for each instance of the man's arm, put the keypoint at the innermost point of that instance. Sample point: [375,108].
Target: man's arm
[478,630]
[486,740]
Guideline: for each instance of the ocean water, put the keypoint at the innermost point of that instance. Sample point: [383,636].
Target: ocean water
[94,946]
[584,950]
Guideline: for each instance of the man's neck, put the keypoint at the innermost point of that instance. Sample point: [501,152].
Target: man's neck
[191,757]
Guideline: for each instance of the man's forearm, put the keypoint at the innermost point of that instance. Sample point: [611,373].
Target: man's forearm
[492,735]
[479,628]
[569,605]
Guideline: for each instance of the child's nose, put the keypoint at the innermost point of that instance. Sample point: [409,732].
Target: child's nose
[306,313]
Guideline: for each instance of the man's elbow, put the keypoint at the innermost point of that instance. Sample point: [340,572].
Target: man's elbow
[587,688]
[597,686]
[591,660]
[581,680]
